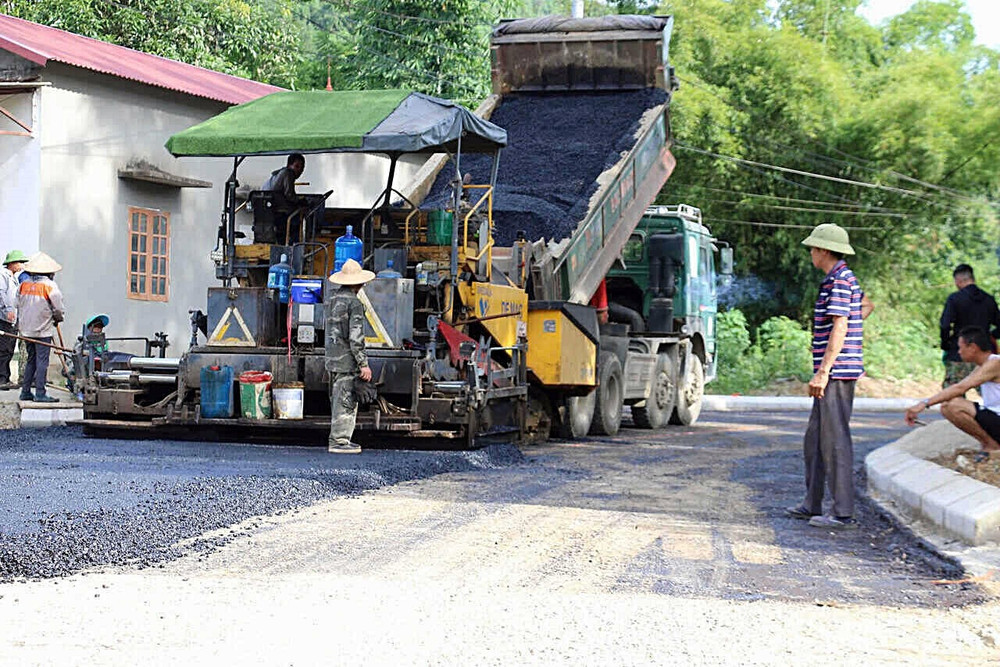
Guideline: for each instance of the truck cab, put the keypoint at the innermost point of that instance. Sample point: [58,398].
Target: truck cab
[668,277]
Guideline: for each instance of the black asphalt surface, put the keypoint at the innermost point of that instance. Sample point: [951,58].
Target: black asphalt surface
[558,145]
[68,502]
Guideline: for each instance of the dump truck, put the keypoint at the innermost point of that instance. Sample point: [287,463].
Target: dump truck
[494,329]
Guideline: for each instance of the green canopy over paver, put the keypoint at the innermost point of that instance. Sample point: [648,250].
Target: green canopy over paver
[320,121]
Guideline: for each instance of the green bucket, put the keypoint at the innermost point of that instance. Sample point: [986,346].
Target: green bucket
[439,226]
[255,394]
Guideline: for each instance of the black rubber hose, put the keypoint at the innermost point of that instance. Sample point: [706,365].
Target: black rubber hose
[625,315]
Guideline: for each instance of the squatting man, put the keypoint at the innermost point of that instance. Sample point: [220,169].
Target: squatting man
[981,421]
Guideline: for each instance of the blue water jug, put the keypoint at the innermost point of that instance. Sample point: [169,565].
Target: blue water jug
[347,247]
[389,272]
[279,277]
[217,392]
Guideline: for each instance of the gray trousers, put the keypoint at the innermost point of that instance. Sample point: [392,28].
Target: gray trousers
[829,451]
[343,408]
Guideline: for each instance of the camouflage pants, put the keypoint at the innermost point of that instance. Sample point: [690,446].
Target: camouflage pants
[956,371]
[343,408]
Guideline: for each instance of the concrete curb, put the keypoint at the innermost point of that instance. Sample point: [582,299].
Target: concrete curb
[721,403]
[905,483]
[42,418]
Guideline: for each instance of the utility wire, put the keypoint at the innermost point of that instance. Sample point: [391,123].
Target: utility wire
[810,210]
[784,198]
[755,223]
[860,163]
[799,172]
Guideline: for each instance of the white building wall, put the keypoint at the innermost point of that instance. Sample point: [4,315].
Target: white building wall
[20,176]
[96,124]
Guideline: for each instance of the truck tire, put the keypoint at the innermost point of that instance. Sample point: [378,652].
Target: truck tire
[690,391]
[610,395]
[578,414]
[659,405]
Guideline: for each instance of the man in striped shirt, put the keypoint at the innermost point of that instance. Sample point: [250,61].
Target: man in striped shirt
[838,313]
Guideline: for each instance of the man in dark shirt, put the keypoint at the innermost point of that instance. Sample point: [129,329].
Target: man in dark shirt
[286,201]
[969,306]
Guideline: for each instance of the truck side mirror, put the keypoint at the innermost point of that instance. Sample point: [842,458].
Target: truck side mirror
[726,260]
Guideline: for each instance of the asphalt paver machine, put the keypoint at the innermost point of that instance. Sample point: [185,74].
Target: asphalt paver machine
[443,372]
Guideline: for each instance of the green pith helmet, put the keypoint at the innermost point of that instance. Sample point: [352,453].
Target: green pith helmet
[830,237]
[14,256]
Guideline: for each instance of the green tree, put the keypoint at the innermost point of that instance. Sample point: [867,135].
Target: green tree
[251,39]
[440,47]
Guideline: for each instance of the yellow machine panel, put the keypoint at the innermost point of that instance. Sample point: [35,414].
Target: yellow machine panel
[559,352]
[488,301]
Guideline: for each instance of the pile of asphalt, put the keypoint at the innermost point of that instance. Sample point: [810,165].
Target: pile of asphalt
[71,503]
[557,147]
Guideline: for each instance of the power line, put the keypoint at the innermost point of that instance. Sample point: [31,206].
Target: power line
[860,163]
[810,210]
[755,223]
[799,172]
[784,198]
[415,40]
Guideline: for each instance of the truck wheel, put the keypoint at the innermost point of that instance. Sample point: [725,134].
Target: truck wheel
[689,394]
[578,415]
[662,397]
[608,412]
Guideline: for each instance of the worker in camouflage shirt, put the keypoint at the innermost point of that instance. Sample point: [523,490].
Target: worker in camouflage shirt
[345,354]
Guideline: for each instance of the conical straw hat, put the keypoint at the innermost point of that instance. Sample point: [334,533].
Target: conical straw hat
[42,263]
[351,273]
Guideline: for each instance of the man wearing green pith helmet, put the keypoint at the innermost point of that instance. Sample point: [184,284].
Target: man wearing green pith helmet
[841,307]
[13,263]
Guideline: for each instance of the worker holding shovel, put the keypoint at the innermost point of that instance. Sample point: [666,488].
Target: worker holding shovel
[40,308]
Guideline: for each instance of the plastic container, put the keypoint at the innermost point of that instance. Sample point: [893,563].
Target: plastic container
[347,247]
[421,274]
[439,226]
[307,290]
[255,394]
[279,277]
[389,271]
[288,400]
[217,392]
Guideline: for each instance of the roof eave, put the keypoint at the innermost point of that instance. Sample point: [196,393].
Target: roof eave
[23,51]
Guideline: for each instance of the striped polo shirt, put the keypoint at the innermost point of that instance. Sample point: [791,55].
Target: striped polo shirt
[839,296]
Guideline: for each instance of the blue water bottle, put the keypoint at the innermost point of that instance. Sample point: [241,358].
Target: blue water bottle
[347,247]
[279,277]
[388,271]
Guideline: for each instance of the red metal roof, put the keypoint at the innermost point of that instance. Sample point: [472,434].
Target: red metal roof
[40,44]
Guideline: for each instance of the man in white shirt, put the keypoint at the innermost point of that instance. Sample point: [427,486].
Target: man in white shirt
[13,263]
[982,422]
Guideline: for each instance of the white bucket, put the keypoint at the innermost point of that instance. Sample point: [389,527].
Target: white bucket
[287,400]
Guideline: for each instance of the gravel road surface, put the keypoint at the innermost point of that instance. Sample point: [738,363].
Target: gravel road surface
[647,548]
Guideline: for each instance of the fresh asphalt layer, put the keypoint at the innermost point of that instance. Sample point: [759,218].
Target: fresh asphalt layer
[70,502]
[710,498]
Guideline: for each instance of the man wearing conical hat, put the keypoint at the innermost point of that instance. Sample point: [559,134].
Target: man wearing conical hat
[838,313]
[39,308]
[12,265]
[345,354]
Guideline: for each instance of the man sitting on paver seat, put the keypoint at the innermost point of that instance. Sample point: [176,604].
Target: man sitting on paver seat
[982,422]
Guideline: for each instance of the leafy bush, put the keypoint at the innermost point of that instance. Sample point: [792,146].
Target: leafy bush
[897,346]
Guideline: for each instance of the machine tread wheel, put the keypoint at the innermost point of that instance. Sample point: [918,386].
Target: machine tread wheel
[610,395]
[689,394]
[578,414]
[662,396]
[540,422]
